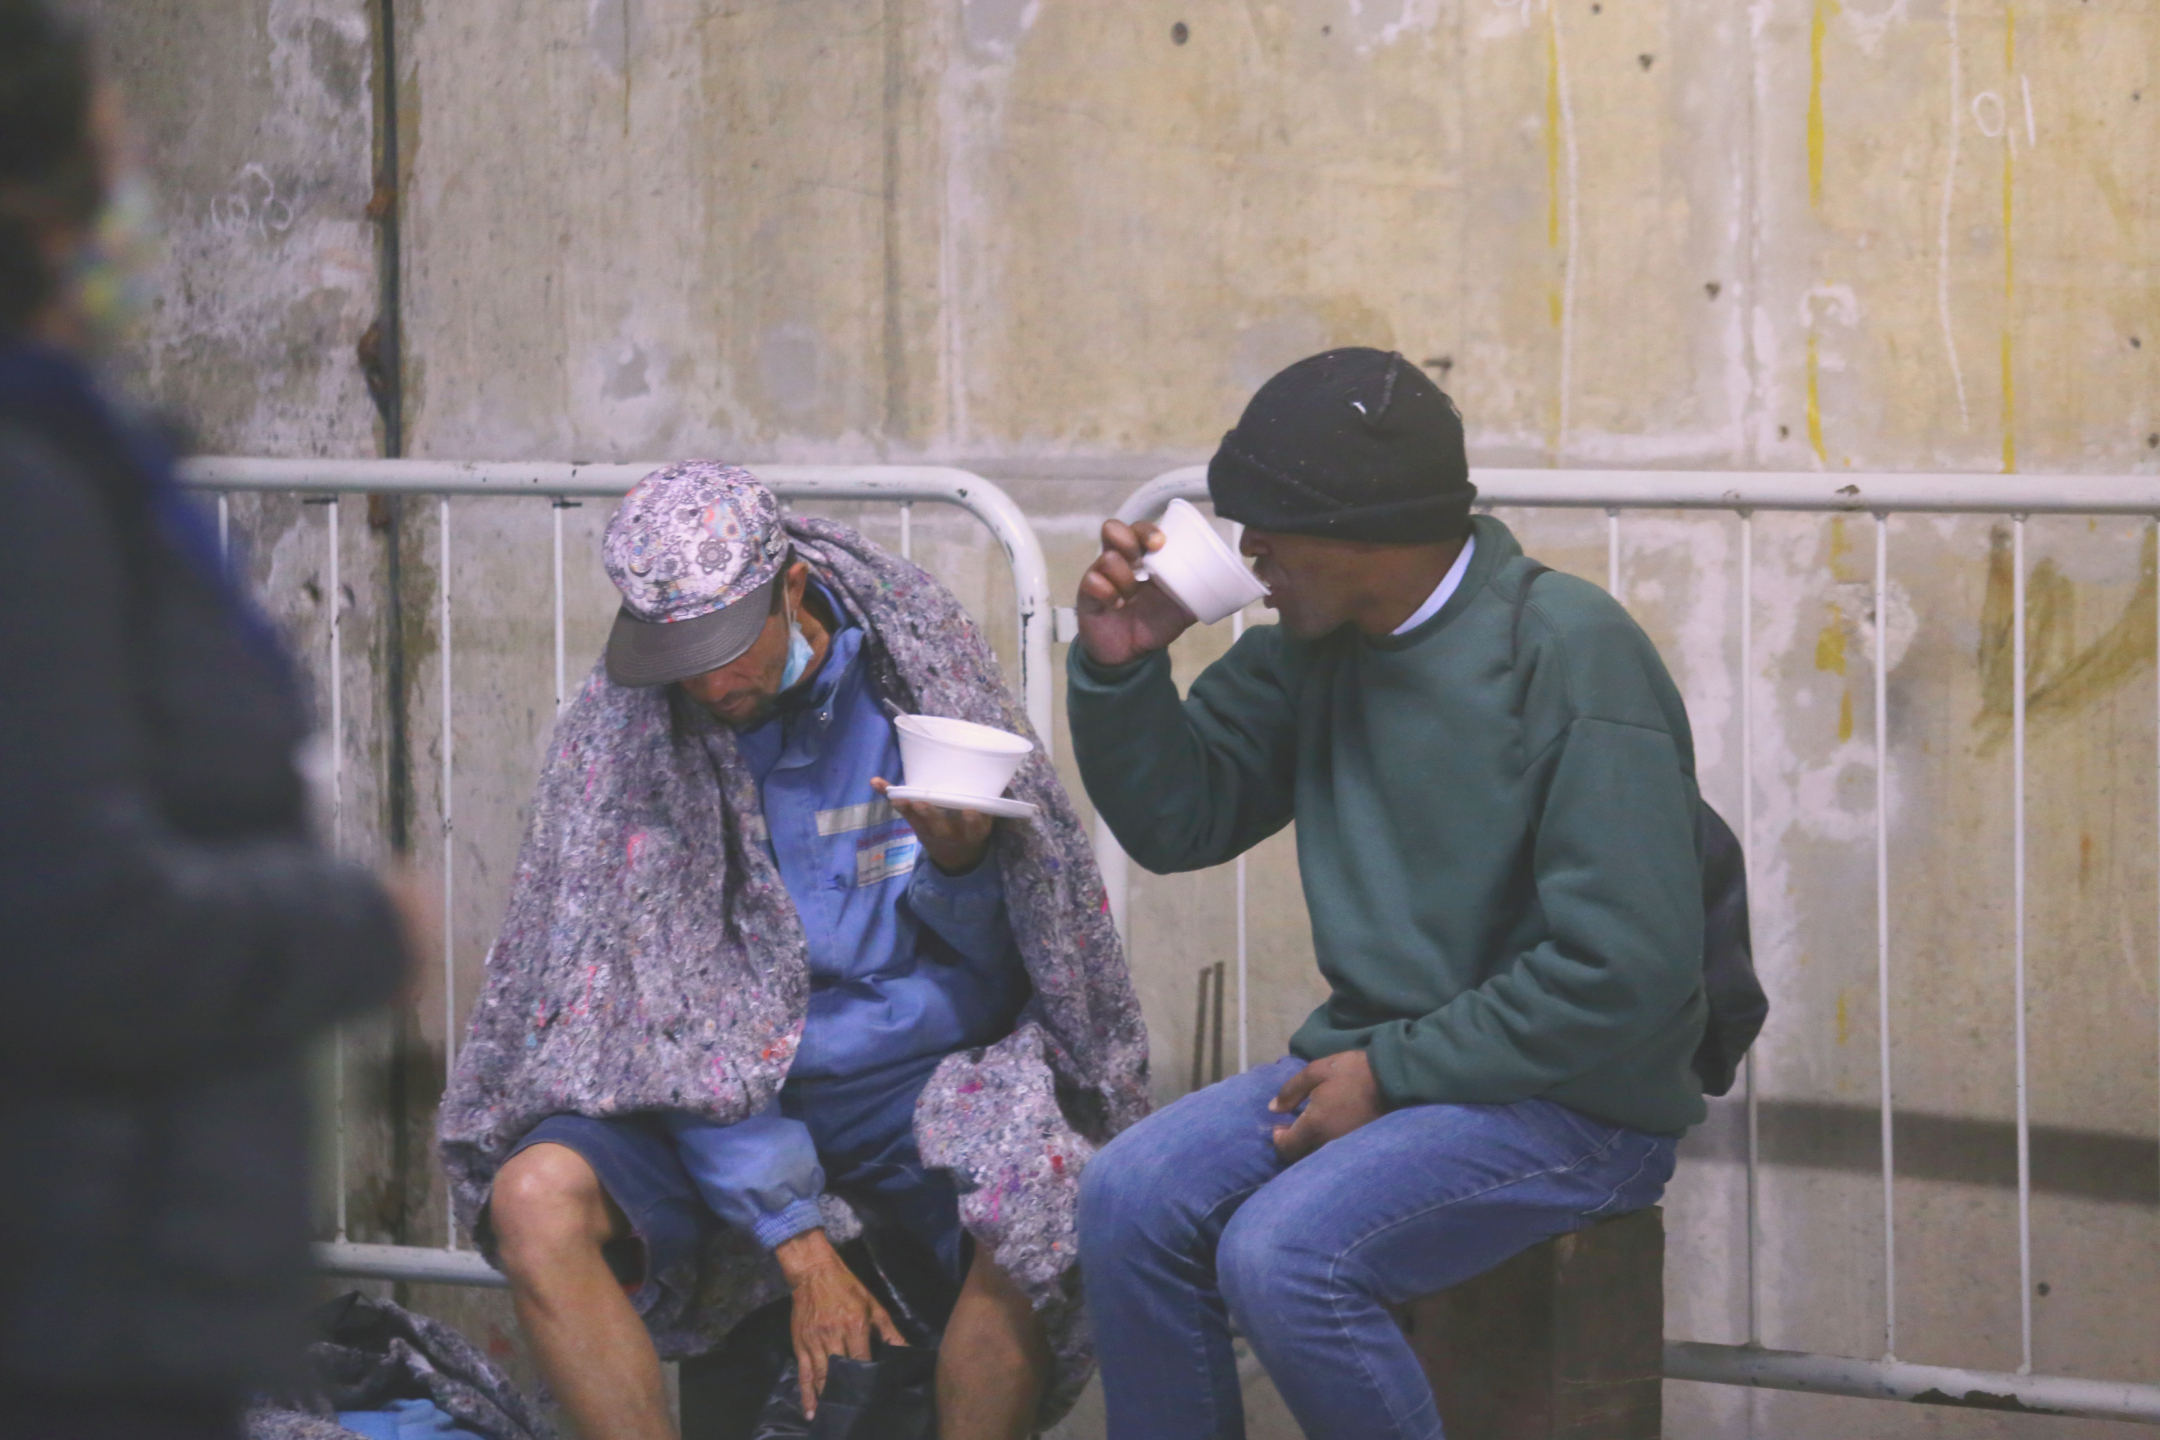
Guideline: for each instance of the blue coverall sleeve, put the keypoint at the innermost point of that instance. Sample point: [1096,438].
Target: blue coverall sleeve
[760,1174]
[966,911]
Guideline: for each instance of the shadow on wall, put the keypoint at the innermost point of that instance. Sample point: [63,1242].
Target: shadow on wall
[2097,1165]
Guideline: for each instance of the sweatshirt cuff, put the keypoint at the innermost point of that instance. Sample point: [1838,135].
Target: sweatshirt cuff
[1390,1066]
[1087,673]
[780,1226]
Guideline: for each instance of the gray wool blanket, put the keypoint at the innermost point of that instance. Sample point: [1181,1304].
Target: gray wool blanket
[651,959]
[374,1352]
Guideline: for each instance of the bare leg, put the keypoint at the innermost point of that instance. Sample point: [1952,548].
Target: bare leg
[993,1362]
[551,1216]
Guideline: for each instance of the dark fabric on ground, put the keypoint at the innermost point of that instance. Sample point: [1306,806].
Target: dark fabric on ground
[376,1351]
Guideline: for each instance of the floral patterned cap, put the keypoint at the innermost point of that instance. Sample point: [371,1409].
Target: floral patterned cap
[694,549]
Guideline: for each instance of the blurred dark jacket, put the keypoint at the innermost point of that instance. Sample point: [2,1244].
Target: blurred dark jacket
[170,937]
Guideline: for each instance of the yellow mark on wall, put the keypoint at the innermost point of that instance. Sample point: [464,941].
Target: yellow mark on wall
[2009,384]
[1844,717]
[2061,680]
[1559,311]
[1552,133]
[1844,1019]
[1830,648]
[1823,10]
[1814,404]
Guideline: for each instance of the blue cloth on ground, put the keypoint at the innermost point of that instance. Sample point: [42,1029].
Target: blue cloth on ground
[406,1420]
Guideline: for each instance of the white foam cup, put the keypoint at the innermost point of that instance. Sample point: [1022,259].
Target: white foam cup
[1198,568]
[959,757]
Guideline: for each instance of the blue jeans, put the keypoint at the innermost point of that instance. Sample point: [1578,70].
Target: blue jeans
[1190,1224]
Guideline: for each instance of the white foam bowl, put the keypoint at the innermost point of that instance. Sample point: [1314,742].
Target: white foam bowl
[959,757]
[1198,568]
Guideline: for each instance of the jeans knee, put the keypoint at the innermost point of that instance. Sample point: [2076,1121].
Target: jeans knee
[1263,1273]
[1125,1194]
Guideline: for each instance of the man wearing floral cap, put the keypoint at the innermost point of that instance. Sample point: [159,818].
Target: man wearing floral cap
[739,985]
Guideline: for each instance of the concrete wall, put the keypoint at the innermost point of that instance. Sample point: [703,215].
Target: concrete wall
[1060,242]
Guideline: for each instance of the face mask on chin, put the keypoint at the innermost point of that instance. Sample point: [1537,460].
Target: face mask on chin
[798,655]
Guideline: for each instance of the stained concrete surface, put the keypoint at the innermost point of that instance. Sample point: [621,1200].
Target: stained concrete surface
[1054,242]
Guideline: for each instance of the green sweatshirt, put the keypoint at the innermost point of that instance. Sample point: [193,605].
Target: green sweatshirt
[1496,834]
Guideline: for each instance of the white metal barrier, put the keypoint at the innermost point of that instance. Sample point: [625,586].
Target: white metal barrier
[327,480]
[1878,496]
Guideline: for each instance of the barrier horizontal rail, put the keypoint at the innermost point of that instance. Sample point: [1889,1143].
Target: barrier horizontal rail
[1881,495]
[1918,1384]
[1732,490]
[418,1264]
[898,484]
[440,480]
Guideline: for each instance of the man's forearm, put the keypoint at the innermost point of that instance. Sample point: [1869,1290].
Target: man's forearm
[1183,784]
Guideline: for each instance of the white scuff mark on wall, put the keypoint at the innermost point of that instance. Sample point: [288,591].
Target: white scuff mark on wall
[1571,218]
[278,255]
[1693,567]
[252,206]
[1869,29]
[627,396]
[1901,622]
[971,113]
[1506,17]
[1750,320]
[993,29]
[608,34]
[1380,23]
[1949,195]
[1650,449]
[1836,301]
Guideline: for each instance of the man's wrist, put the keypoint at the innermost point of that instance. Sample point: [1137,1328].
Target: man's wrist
[806,1255]
[966,866]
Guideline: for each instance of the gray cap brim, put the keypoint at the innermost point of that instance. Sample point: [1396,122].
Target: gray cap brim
[656,652]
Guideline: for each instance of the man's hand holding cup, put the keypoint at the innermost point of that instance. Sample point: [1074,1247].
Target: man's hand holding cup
[1123,617]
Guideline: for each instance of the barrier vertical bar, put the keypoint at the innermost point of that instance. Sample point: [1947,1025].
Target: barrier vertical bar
[1244,1012]
[1612,551]
[907,530]
[224,527]
[1747,864]
[335,588]
[337,684]
[1882,926]
[449,911]
[2017,893]
[557,509]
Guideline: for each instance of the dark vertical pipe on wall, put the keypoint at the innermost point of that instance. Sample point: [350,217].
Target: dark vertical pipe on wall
[382,359]
[382,348]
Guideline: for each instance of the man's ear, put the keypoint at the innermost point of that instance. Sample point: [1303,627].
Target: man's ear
[798,580]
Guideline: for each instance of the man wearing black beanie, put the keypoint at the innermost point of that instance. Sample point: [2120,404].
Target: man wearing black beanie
[1494,790]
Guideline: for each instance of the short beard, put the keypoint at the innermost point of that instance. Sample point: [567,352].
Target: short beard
[766,709]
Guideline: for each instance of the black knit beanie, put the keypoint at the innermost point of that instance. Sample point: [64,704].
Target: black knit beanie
[1351,444]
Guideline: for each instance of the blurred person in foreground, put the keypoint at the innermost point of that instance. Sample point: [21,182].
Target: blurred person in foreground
[170,937]
[1494,790]
[745,1002]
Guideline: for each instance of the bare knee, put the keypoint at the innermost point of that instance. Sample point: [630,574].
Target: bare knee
[548,1205]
